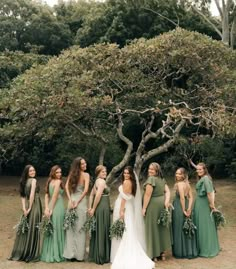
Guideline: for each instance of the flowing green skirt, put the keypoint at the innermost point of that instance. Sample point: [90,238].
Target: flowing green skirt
[27,246]
[100,243]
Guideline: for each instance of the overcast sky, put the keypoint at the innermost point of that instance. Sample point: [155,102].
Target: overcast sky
[213,6]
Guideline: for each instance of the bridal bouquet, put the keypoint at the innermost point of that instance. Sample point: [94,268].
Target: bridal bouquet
[70,219]
[117,229]
[218,217]
[22,226]
[165,218]
[89,225]
[46,226]
[189,227]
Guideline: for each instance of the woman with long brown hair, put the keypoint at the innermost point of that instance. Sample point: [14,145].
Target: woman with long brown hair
[77,186]
[129,251]
[27,245]
[207,238]
[99,207]
[53,245]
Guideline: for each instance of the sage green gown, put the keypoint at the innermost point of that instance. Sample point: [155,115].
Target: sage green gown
[183,246]
[27,246]
[157,236]
[53,245]
[75,241]
[100,243]
[207,238]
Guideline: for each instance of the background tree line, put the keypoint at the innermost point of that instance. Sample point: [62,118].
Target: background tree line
[165,99]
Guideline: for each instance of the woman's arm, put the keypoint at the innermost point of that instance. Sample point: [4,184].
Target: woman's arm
[86,187]
[167,196]
[190,200]
[23,206]
[100,187]
[53,201]
[127,189]
[147,197]
[71,204]
[180,188]
[211,200]
[32,193]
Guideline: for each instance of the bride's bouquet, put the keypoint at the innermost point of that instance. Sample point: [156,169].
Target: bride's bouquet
[218,217]
[189,227]
[165,218]
[117,229]
[89,225]
[22,226]
[46,226]
[70,219]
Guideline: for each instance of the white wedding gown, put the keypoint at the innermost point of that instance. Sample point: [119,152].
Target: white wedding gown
[128,253]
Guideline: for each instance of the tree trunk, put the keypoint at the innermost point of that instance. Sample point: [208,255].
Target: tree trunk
[102,155]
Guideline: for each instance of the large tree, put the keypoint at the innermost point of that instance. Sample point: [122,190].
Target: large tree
[142,97]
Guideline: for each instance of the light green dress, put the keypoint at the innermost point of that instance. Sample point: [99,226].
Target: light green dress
[100,243]
[75,237]
[207,238]
[27,246]
[157,236]
[53,246]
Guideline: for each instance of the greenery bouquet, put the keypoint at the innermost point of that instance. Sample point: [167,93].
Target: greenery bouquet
[117,229]
[22,226]
[165,218]
[188,227]
[218,217]
[89,225]
[46,226]
[70,219]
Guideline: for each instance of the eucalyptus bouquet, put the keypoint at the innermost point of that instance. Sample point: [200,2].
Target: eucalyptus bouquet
[89,225]
[165,218]
[188,227]
[22,226]
[46,226]
[117,229]
[218,217]
[70,218]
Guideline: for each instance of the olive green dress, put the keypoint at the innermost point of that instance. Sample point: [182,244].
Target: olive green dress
[27,246]
[53,245]
[207,238]
[75,241]
[100,243]
[157,236]
[183,246]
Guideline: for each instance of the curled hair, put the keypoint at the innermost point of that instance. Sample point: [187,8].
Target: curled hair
[98,169]
[157,167]
[52,175]
[74,174]
[132,179]
[23,179]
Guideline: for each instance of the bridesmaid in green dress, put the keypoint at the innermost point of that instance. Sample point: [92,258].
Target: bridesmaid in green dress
[100,244]
[183,246]
[53,246]
[77,187]
[207,238]
[156,197]
[27,246]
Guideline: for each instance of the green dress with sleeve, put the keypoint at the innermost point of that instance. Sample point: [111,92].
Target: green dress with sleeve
[207,238]
[27,246]
[100,243]
[53,245]
[157,236]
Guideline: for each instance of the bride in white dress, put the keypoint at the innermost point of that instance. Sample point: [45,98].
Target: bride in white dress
[129,252]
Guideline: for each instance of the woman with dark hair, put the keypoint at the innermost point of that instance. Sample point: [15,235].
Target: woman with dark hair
[27,245]
[77,186]
[183,246]
[99,207]
[129,251]
[53,245]
[156,198]
[207,238]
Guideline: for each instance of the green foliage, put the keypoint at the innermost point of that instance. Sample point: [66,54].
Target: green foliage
[73,99]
